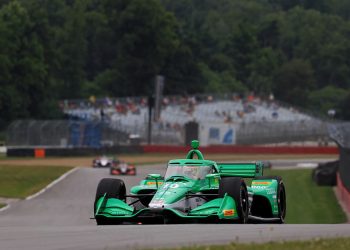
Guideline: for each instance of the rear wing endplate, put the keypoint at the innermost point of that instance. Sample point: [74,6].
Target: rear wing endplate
[245,170]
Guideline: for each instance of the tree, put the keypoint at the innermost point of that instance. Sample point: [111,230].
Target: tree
[146,38]
[242,50]
[266,62]
[327,98]
[344,111]
[23,69]
[293,82]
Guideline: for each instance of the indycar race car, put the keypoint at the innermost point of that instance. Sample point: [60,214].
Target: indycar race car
[103,162]
[194,190]
[120,167]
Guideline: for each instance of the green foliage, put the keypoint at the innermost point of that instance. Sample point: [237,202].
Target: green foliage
[23,70]
[59,49]
[326,98]
[344,111]
[293,81]
[220,82]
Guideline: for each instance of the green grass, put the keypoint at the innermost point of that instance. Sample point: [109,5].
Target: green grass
[308,203]
[2,205]
[318,244]
[20,182]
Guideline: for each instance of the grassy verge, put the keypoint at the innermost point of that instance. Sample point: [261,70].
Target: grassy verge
[2,205]
[319,244]
[20,182]
[308,203]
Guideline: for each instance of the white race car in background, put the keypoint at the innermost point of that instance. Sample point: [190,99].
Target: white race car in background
[103,162]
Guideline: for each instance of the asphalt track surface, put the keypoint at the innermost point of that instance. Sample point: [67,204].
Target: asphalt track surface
[59,218]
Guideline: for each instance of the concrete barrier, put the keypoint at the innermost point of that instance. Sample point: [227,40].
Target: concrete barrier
[51,151]
[230,149]
[343,194]
[3,149]
[138,149]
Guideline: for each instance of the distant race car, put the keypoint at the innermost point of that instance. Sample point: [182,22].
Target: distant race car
[103,162]
[122,168]
[194,190]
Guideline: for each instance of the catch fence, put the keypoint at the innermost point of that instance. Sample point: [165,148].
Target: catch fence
[63,133]
[71,133]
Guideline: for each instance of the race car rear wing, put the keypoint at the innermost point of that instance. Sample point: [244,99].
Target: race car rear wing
[245,170]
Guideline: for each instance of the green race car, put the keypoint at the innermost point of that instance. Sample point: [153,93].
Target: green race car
[194,190]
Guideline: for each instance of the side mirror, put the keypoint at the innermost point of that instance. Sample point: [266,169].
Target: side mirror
[211,178]
[155,177]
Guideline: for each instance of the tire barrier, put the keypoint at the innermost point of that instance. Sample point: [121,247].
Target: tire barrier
[326,173]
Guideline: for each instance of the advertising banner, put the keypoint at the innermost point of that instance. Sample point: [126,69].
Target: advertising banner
[217,134]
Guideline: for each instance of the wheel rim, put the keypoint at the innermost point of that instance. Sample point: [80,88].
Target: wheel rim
[282,203]
[244,203]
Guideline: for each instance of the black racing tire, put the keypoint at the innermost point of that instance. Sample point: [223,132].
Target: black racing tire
[281,196]
[113,188]
[237,189]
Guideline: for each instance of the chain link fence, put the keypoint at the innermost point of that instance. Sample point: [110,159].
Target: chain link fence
[279,132]
[63,133]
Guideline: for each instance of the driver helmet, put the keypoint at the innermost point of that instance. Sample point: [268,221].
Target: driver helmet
[191,172]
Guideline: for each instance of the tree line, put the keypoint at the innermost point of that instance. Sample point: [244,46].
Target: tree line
[60,49]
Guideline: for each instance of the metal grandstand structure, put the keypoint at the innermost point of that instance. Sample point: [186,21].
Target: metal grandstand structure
[114,121]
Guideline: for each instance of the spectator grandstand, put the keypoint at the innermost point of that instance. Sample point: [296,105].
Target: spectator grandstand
[256,120]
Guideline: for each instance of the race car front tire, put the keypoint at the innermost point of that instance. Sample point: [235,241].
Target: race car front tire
[113,188]
[237,189]
[281,196]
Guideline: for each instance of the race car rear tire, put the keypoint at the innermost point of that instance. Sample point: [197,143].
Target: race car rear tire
[281,196]
[113,188]
[237,189]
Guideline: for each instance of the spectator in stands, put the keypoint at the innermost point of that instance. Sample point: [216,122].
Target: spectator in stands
[102,114]
[165,101]
[274,115]
[92,99]
[228,118]
[240,114]
[250,97]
